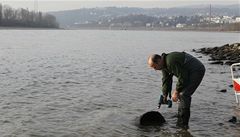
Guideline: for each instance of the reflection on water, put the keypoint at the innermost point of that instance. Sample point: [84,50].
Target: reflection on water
[96,83]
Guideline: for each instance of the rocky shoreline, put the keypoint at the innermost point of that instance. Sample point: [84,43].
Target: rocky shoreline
[226,54]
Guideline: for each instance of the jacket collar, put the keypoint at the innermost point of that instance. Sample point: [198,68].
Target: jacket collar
[164,55]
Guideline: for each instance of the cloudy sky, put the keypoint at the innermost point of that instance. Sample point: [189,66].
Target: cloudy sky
[56,5]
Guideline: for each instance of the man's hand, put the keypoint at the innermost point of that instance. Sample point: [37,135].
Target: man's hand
[175,96]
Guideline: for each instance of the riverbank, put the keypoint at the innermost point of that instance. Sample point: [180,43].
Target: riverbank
[226,54]
[117,29]
[151,29]
[27,28]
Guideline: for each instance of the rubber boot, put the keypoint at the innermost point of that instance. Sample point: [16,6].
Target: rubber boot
[183,118]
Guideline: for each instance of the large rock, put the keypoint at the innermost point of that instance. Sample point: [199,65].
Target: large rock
[152,118]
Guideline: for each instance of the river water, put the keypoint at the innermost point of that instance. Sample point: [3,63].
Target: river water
[96,83]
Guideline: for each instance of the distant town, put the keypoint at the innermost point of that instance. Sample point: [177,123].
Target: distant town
[200,18]
[206,18]
[219,23]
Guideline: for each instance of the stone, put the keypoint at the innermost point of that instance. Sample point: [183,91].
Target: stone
[152,118]
[220,124]
[223,90]
[233,120]
[217,62]
[226,45]
[230,62]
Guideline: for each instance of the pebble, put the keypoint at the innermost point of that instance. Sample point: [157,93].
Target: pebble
[233,120]
[223,90]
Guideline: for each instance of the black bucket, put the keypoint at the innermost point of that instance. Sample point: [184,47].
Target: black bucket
[152,118]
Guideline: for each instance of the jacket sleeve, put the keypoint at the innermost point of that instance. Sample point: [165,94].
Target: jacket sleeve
[182,75]
[166,83]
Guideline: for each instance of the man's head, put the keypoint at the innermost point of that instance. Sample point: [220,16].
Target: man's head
[155,61]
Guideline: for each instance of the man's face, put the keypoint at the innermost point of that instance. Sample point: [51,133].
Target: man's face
[157,66]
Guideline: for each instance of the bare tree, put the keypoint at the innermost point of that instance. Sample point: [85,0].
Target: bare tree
[50,20]
[25,18]
[1,9]
[8,13]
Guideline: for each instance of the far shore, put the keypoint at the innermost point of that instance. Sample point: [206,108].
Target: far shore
[149,29]
[119,29]
[27,28]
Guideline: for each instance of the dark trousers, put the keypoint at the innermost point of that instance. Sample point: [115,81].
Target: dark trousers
[196,72]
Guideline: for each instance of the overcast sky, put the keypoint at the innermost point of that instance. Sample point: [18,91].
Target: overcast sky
[56,5]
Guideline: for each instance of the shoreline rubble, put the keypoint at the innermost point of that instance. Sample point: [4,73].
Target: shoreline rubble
[226,54]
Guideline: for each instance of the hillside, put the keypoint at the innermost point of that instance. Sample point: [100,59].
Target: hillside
[80,16]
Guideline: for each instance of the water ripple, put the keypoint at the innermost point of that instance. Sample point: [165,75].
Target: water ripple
[68,84]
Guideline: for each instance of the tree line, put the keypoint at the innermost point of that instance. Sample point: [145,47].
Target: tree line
[10,17]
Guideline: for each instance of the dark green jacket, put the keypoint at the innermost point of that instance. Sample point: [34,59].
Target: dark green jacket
[174,66]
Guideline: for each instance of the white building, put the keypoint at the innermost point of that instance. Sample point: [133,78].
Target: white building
[227,19]
[148,24]
[179,25]
[216,20]
[237,19]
